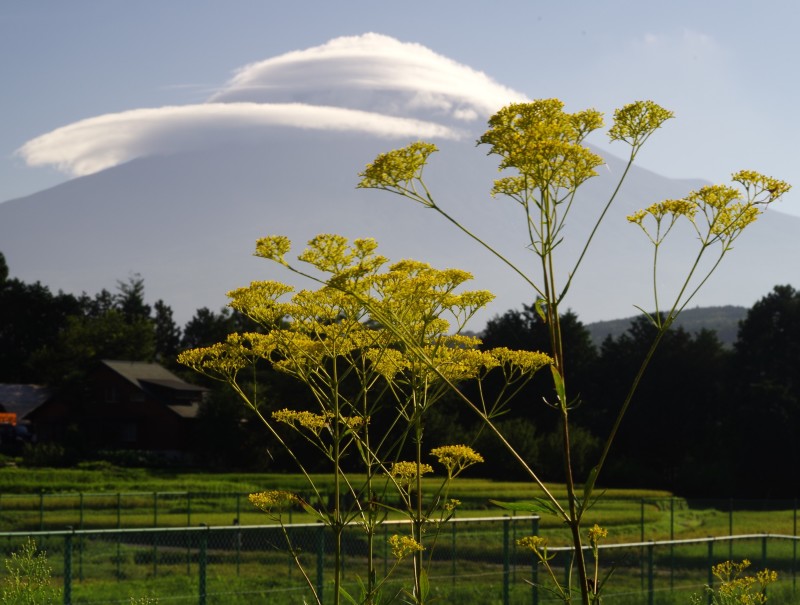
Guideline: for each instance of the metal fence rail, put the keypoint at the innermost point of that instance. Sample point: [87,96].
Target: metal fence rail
[658,518]
[472,561]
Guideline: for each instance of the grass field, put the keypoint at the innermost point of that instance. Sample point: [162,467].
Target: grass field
[111,570]
[40,499]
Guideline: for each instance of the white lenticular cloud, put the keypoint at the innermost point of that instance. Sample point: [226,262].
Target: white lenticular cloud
[369,84]
[373,72]
[98,143]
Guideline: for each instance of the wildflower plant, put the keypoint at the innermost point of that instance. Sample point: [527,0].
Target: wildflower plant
[544,161]
[28,578]
[374,340]
[381,339]
[736,587]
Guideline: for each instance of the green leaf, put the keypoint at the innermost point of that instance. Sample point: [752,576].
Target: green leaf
[537,505]
[311,510]
[424,585]
[588,487]
[539,306]
[558,382]
[347,596]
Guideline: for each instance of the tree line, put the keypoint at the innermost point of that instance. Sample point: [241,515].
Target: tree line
[707,420]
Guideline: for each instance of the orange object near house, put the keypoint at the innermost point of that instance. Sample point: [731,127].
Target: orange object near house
[8,418]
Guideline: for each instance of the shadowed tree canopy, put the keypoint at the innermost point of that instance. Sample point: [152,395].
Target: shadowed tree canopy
[31,319]
[765,417]
[530,424]
[666,437]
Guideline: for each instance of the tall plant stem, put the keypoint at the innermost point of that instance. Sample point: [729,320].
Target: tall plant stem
[417,522]
[338,524]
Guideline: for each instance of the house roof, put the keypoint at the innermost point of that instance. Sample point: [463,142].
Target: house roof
[145,376]
[22,399]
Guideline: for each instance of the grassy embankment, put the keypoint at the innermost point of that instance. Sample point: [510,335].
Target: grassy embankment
[144,498]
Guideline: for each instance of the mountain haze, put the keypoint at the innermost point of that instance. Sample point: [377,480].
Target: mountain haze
[184,205]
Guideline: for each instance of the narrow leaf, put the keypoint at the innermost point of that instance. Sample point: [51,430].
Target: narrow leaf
[588,487]
[558,382]
[424,585]
[537,505]
[539,308]
[346,595]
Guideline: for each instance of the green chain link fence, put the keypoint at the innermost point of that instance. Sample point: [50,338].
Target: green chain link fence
[472,559]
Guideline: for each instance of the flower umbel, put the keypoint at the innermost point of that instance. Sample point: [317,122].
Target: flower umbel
[405,472]
[272,499]
[403,546]
[397,169]
[596,533]
[455,458]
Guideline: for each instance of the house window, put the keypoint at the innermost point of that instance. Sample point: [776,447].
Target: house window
[111,394]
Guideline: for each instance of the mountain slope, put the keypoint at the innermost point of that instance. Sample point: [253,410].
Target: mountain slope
[188,222]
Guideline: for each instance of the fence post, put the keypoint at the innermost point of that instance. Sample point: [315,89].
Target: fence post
[710,568]
[452,559]
[535,566]
[763,552]
[68,568]
[41,510]
[188,509]
[730,530]
[650,574]
[641,539]
[155,554]
[320,559]
[155,509]
[672,544]
[506,559]
[119,536]
[201,564]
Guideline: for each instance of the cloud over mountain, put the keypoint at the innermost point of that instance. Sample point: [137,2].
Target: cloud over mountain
[180,194]
[372,84]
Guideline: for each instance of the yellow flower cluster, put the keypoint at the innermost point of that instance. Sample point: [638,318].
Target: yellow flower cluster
[406,472]
[543,143]
[455,458]
[636,121]
[597,533]
[667,208]
[403,546]
[334,254]
[259,301]
[738,588]
[452,504]
[316,422]
[725,210]
[397,169]
[273,247]
[270,500]
[520,363]
[533,543]
[760,188]
[308,420]
[223,361]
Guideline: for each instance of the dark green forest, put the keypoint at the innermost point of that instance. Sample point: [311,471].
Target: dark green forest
[708,419]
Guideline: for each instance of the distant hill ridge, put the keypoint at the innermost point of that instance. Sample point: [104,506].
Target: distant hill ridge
[723,320]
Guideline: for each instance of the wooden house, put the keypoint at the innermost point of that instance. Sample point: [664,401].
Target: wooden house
[126,405]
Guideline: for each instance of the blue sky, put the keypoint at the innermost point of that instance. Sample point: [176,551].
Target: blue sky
[727,69]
